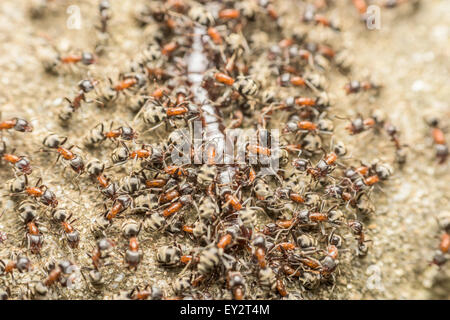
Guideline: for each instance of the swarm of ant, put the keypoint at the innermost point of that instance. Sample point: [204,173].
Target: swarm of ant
[254,235]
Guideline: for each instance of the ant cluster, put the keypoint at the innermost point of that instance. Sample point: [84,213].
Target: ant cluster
[254,234]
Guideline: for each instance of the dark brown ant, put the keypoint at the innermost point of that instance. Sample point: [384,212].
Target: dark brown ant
[104,8]
[84,86]
[357,229]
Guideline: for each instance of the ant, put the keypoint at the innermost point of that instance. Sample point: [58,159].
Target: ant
[133,255]
[359,124]
[177,206]
[154,293]
[439,141]
[21,163]
[18,124]
[101,252]
[75,161]
[72,235]
[126,82]
[124,133]
[95,169]
[57,272]
[392,132]
[104,8]
[45,195]
[357,229]
[34,237]
[84,86]
[85,58]
[357,86]
[318,19]
[21,263]
[121,203]
[324,167]
[235,283]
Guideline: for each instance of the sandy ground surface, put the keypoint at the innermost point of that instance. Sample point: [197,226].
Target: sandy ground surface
[409,55]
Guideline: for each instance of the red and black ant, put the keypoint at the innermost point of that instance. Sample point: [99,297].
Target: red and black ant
[17,124]
[41,192]
[20,163]
[439,141]
[357,86]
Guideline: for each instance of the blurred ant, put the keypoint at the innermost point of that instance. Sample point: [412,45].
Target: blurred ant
[400,153]
[359,124]
[236,283]
[58,273]
[18,124]
[154,293]
[20,262]
[357,86]
[310,16]
[127,81]
[361,6]
[439,140]
[101,252]
[104,9]
[441,255]
[52,66]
